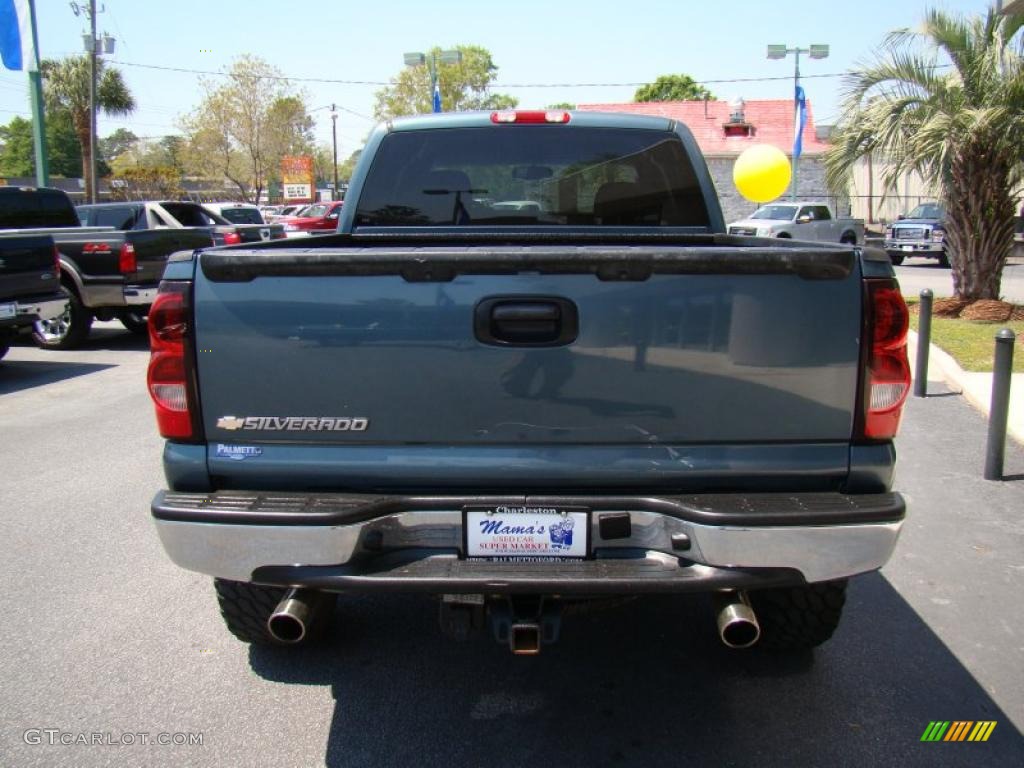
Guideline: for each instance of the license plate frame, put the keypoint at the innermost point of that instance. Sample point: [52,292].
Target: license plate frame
[908,248]
[505,542]
[8,310]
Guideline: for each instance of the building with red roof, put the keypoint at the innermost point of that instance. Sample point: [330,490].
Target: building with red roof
[724,129]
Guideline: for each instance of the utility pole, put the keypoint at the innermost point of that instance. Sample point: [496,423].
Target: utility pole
[334,139]
[94,46]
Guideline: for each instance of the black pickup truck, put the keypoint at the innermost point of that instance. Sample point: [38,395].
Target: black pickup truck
[104,272]
[177,215]
[29,283]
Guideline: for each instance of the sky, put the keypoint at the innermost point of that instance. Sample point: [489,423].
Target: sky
[587,51]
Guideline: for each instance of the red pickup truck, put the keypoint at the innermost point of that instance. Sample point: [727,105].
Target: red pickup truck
[319,217]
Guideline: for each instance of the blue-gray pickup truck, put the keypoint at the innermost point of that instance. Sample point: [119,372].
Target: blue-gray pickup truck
[530,369]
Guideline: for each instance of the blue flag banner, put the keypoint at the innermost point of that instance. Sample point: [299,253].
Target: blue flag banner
[799,121]
[16,35]
[437,97]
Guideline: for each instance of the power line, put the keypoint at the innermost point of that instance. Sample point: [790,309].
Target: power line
[254,77]
[290,78]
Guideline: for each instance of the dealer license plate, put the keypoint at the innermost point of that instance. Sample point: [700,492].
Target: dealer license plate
[528,531]
[8,310]
[908,248]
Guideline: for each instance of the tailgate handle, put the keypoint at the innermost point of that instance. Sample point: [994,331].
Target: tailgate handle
[524,321]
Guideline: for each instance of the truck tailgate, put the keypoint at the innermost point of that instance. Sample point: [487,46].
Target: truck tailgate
[396,349]
[27,265]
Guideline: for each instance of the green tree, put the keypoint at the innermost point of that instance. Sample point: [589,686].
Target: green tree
[245,125]
[116,144]
[947,101]
[66,87]
[464,86]
[562,105]
[17,152]
[348,165]
[673,88]
[166,154]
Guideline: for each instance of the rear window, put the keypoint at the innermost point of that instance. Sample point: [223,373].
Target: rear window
[34,208]
[549,175]
[118,216]
[242,215]
[192,215]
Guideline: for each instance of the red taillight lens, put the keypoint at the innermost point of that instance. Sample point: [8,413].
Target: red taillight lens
[530,116]
[232,238]
[887,379]
[168,375]
[126,262]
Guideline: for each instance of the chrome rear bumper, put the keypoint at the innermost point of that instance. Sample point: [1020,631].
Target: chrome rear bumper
[415,543]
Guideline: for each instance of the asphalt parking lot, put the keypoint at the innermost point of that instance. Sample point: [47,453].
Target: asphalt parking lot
[104,635]
[918,273]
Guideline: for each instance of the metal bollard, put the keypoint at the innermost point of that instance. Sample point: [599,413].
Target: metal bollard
[1001,370]
[924,340]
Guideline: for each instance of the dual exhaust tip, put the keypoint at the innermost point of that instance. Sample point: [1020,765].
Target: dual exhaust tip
[293,617]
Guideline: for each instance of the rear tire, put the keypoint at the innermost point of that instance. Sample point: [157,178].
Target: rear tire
[848,238]
[246,608]
[896,258]
[799,618]
[67,331]
[944,260]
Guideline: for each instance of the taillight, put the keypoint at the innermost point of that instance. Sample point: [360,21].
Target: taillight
[126,262]
[169,375]
[528,116]
[887,375]
[232,238]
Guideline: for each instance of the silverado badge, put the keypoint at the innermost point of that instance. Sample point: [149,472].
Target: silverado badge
[294,423]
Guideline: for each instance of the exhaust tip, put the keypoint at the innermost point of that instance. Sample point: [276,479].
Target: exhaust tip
[524,639]
[740,634]
[737,624]
[286,628]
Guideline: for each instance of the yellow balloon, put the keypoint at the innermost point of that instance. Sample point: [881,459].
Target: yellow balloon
[761,173]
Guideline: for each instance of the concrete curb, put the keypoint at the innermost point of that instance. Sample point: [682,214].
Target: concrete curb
[976,388]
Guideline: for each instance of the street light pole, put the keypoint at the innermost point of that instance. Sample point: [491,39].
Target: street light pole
[796,120]
[334,140]
[418,59]
[780,52]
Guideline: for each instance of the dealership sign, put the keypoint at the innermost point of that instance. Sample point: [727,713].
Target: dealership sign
[297,178]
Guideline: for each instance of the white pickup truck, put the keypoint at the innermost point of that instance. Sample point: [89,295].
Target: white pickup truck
[800,221]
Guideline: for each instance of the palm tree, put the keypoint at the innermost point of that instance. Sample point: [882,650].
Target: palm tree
[66,86]
[947,100]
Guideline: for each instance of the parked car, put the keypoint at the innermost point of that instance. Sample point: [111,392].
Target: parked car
[800,221]
[237,213]
[921,232]
[284,211]
[315,219]
[609,397]
[104,273]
